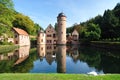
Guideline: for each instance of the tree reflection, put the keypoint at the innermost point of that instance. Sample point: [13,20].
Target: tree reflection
[26,65]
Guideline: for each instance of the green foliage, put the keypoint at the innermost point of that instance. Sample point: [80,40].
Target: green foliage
[5,43]
[92,32]
[69,30]
[6,16]
[37,27]
[109,24]
[25,23]
[116,10]
[10,18]
[7,48]
[8,4]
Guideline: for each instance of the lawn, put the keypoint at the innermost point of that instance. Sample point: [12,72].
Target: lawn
[27,76]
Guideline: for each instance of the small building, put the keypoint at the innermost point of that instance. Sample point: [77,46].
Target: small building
[75,35]
[41,39]
[21,37]
[51,35]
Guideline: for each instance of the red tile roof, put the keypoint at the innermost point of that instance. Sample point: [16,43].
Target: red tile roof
[20,31]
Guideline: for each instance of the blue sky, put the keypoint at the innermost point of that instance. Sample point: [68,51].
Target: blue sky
[44,12]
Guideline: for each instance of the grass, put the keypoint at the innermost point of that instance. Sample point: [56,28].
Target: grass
[7,48]
[27,76]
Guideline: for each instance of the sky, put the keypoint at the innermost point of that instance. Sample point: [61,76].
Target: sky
[45,12]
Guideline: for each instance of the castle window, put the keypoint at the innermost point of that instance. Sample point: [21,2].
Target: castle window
[54,36]
[49,35]
[49,41]
[41,48]
[41,40]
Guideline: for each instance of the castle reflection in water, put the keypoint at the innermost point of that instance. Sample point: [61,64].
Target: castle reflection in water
[61,59]
[57,53]
[18,55]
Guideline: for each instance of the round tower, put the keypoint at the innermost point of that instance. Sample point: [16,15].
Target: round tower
[41,38]
[61,28]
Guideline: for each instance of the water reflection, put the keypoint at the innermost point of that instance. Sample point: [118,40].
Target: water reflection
[73,52]
[50,53]
[17,54]
[9,60]
[41,50]
[22,54]
[61,59]
[73,59]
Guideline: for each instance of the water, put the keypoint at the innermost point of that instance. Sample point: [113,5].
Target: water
[60,59]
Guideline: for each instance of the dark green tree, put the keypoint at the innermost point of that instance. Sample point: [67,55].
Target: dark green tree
[93,32]
[24,22]
[109,25]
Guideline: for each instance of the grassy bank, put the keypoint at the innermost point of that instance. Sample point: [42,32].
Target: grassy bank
[7,48]
[106,45]
[106,42]
[27,76]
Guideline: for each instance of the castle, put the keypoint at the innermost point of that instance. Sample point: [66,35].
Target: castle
[52,36]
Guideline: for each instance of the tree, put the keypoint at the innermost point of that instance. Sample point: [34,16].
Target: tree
[37,27]
[109,25]
[93,32]
[8,4]
[6,15]
[116,10]
[6,18]
[56,25]
[24,22]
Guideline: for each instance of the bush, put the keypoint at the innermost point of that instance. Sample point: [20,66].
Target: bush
[5,43]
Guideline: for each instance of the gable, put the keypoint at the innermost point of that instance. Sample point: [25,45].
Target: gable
[50,29]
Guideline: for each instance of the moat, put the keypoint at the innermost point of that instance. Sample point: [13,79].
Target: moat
[60,59]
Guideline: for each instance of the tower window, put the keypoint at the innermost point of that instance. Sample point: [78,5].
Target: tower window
[41,48]
[54,36]
[41,40]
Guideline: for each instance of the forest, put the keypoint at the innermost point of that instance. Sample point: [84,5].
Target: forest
[101,27]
